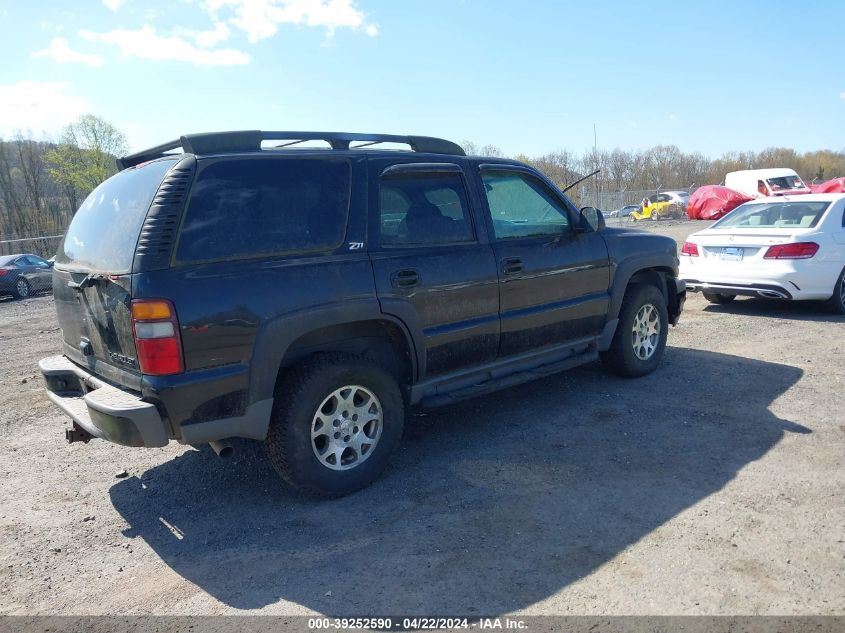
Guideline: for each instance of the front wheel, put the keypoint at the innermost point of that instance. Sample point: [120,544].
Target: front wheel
[336,420]
[718,297]
[640,337]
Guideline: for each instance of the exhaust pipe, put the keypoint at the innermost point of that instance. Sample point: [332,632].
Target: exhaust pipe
[771,294]
[223,448]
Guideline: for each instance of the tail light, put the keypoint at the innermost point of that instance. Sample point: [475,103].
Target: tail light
[797,250]
[157,342]
[689,249]
[3,271]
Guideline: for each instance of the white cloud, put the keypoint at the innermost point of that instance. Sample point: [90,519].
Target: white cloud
[842,95]
[61,52]
[260,19]
[114,5]
[30,105]
[145,43]
[673,117]
[206,39]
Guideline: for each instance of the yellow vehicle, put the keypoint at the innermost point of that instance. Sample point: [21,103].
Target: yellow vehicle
[657,206]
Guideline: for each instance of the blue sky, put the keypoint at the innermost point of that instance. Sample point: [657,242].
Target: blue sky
[528,76]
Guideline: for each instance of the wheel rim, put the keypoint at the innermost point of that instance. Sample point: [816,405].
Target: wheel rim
[646,332]
[23,288]
[346,427]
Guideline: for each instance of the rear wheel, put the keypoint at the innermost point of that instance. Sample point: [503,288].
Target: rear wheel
[718,297]
[655,216]
[640,337]
[336,420]
[837,301]
[22,288]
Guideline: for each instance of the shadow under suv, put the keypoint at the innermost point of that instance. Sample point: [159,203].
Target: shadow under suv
[250,286]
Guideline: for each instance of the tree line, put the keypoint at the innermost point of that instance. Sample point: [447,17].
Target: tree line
[665,167]
[42,183]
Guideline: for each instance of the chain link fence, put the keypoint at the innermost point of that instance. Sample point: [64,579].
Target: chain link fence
[611,203]
[42,245]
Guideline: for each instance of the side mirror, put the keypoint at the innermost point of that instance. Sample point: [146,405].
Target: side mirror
[592,217]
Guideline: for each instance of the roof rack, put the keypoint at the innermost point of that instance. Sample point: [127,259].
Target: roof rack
[250,140]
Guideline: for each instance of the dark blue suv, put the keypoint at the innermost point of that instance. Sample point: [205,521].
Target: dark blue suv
[304,288]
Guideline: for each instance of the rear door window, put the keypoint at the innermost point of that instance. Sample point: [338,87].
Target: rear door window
[424,209]
[265,206]
[104,232]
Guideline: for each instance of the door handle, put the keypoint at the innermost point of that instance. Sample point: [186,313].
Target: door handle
[405,278]
[511,265]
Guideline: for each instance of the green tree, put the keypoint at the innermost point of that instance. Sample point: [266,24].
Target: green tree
[86,153]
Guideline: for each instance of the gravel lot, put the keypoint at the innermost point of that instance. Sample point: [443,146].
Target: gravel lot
[713,486]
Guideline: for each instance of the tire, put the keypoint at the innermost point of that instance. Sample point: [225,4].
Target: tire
[654,216]
[629,354]
[321,384]
[717,297]
[22,288]
[837,302]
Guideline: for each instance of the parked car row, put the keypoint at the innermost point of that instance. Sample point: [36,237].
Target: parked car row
[624,212]
[661,205]
[306,298]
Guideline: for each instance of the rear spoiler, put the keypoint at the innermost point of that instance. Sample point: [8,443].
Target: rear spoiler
[250,140]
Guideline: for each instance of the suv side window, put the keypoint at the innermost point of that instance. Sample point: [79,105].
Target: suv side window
[522,206]
[419,209]
[265,206]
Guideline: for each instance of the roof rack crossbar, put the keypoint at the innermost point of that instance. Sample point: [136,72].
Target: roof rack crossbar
[341,140]
[249,140]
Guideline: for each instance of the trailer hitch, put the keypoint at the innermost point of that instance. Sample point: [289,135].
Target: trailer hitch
[77,434]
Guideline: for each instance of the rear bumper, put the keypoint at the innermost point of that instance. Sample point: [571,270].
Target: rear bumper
[100,409]
[769,291]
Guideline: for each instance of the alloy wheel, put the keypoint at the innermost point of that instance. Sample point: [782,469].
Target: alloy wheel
[22,287]
[346,427]
[646,331]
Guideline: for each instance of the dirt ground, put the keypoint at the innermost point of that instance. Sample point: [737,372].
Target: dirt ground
[713,486]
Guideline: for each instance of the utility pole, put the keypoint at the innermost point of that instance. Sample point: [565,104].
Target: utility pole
[596,164]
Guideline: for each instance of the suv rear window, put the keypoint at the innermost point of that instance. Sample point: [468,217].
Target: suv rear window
[104,232]
[265,206]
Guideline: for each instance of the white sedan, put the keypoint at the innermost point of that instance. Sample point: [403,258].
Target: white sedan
[790,247]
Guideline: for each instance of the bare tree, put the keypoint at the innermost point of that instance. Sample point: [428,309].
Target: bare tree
[30,158]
